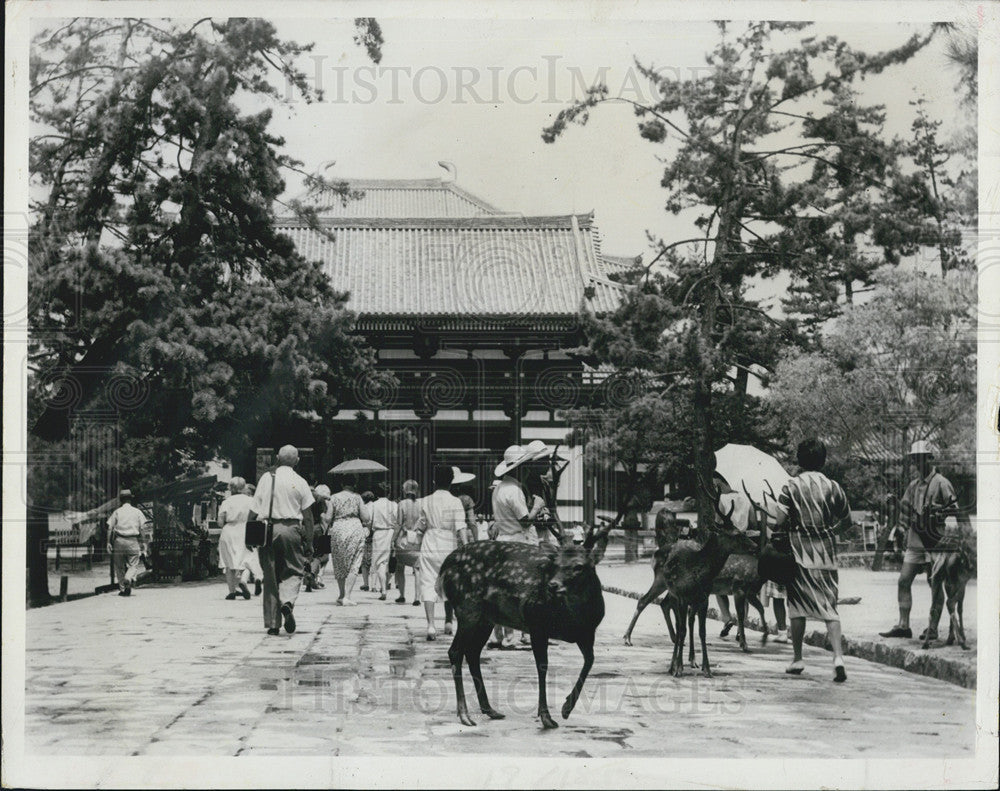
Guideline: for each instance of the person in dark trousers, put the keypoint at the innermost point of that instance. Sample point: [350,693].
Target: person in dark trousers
[284,497]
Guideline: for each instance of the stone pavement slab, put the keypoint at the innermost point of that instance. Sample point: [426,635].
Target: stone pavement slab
[176,670]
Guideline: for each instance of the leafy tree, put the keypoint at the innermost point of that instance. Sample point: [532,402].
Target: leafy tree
[727,167]
[899,368]
[930,203]
[160,288]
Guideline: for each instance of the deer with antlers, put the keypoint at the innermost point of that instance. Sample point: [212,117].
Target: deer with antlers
[689,570]
[738,577]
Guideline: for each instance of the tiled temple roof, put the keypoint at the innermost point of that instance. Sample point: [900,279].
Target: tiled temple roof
[426,248]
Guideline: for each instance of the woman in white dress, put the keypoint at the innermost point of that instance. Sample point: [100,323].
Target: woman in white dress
[442,524]
[232,540]
[384,515]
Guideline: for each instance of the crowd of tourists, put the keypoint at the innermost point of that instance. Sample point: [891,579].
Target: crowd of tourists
[372,536]
[365,535]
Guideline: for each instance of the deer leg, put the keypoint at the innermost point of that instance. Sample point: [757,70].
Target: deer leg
[741,617]
[956,596]
[702,616]
[937,584]
[540,648]
[759,607]
[587,649]
[659,586]
[455,654]
[691,660]
[961,618]
[473,651]
[680,616]
[666,606]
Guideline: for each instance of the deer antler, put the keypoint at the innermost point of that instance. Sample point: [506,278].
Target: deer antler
[757,506]
[727,519]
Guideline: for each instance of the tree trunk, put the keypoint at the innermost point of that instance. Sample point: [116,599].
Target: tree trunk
[36,557]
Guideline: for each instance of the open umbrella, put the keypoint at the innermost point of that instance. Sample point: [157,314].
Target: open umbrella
[358,467]
[746,466]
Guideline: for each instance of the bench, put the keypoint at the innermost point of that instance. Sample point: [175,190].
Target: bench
[76,551]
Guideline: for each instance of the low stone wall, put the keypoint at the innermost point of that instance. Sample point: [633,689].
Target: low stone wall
[922,663]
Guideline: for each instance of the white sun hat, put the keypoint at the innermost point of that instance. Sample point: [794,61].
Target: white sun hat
[538,450]
[922,448]
[512,457]
[461,477]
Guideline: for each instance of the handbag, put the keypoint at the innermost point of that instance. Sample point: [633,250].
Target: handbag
[259,532]
[776,561]
[321,545]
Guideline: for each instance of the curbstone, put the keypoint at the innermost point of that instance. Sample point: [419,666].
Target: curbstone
[912,661]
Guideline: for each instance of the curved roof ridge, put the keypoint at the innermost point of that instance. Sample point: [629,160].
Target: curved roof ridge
[514,221]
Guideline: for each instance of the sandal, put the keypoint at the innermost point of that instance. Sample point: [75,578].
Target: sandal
[795,669]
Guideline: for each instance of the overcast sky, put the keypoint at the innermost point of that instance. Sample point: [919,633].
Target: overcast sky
[478,93]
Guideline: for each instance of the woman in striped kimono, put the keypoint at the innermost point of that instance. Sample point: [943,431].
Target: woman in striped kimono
[812,509]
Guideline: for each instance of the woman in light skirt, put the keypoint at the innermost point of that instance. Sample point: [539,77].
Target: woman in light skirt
[349,517]
[404,541]
[232,540]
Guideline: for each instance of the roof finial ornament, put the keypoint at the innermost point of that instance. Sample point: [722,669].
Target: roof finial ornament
[451,169]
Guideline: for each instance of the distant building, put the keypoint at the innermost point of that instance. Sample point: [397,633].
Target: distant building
[473,310]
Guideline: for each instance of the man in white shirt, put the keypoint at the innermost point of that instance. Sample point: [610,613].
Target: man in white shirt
[126,542]
[286,505]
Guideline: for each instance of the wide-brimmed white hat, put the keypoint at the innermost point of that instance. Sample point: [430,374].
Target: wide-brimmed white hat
[461,477]
[922,448]
[512,457]
[538,450]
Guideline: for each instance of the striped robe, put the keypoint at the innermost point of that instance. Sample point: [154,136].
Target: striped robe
[816,508]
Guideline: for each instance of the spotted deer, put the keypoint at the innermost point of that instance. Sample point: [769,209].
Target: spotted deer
[548,592]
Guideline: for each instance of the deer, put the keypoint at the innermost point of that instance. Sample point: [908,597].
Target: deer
[548,592]
[738,578]
[953,566]
[690,569]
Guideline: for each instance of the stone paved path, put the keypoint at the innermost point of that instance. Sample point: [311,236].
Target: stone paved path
[179,671]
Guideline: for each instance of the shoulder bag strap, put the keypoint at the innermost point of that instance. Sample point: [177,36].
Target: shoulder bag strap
[270,507]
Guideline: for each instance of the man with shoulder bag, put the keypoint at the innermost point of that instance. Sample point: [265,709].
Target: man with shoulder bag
[283,498]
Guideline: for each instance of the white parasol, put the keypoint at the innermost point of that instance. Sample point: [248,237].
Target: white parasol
[358,467]
[746,467]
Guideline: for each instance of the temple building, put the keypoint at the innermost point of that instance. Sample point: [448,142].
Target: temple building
[473,309]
